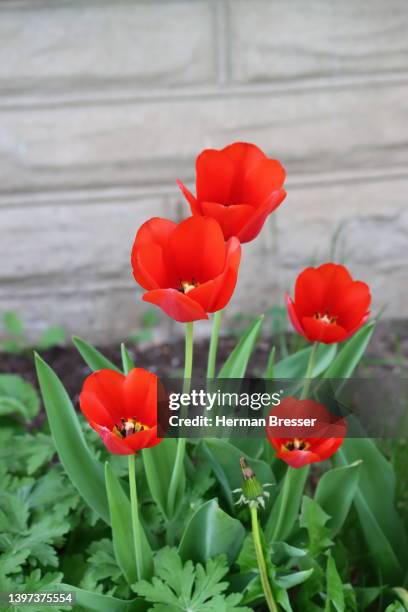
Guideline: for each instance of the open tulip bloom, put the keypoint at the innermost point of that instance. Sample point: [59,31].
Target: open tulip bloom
[187,268]
[122,409]
[302,448]
[239,187]
[329,306]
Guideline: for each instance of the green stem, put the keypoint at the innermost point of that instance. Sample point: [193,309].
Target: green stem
[135,516]
[212,353]
[309,371]
[261,561]
[181,444]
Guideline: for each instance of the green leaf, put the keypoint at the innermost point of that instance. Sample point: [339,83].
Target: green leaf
[296,484]
[12,323]
[270,367]
[237,362]
[224,459]
[92,357]
[84,471]
[211,532]
[120,513]
[374,500]
[18,397]
[295,366]
[178,586]
[53,336]
[158,463]
[350,355]
[341,479]
[103,603]
[314,519]
[127,361]
[334,589]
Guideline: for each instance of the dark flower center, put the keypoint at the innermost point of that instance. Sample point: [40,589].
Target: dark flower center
[295,444]
[325,318]
[186,286]
[127,427]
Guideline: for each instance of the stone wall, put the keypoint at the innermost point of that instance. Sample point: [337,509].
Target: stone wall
[104,104]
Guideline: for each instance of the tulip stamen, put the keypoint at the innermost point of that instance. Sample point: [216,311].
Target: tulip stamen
[295,444]
[187,286]
[127,427]
[325,318]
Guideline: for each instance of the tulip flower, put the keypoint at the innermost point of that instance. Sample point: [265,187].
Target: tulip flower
[305,445]
[188,269]
[122,409]
[238,186]
[329,306]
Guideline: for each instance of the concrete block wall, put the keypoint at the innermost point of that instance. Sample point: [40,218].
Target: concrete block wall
[104,104]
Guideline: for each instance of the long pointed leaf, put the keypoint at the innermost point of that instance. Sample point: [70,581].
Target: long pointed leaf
[84,471]
[237,362]
[350,355]
[295,366]
[158,463]
[344,479]
[92,357]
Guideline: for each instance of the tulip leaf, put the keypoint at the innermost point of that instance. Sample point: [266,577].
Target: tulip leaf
[92,357]
[121,521]
[344,479]
[295,366]
[279,528]
[374,501]
[84,471]
[158,463]
[224,459]
[211,532]
[351,353]
[236,364]
[127,361]
[334,588]
[90,600]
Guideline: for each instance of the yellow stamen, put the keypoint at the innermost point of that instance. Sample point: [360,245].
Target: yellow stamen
[325,318]
[127,427]
[187,286]
[295,444]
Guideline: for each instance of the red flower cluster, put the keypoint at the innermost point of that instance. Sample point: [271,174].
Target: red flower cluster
[329,306]
[302,448]
[122,409]
[239,187]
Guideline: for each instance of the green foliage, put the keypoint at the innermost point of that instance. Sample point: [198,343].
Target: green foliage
[18,397]
[185,586]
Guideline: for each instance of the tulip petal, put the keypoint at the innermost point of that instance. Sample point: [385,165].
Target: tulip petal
[262,180]
[176,305]
[113,443]
[140,394]
[309,293]
[143,439]
[231,218]
[293,316]
[194,204]
[196,250]
[93,409]
[353,305]
[215,294]
[215,174]
[298,458]
[254,225]
[245,156]
[107,387]
[148,261]
[336,281]
[317,330]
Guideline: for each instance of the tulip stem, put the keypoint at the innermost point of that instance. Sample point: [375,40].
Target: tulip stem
[309,372]
[212,353]
[181,444]
[263,571]
[135,516]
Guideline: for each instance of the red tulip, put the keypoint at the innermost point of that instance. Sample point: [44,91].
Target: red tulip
[239,186]
[188,269]
[122,409]
[301,445]
[329,306]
